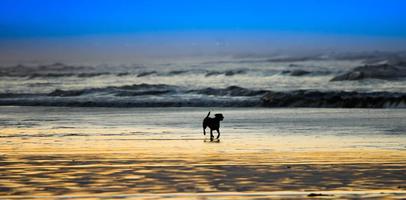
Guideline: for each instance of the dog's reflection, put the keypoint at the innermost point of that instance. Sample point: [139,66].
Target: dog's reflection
[212,140]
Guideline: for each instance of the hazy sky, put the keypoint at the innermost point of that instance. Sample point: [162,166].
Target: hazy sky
[32,29]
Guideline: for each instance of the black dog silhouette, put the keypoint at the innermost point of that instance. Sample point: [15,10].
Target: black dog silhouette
[213,124]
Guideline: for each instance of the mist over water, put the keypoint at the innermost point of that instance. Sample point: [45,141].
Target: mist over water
[184,45]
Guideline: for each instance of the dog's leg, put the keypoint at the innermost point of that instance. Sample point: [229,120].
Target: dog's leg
[218,133]
[204,125]
[211,134]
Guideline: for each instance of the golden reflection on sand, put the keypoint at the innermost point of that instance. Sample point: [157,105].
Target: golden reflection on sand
[104,162]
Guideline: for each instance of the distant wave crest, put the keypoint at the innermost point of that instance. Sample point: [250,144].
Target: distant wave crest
[162,95]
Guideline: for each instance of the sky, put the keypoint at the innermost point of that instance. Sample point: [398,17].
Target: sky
[184,25]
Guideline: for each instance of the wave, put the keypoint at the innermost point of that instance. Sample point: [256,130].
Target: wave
[300,72]
[51,70]
[128,90]
[60,71]
[227,72]
[19,95]
[334,99]
[56,75]
[162,102]
[229,91]
[162,95]
[148,73]
[149,89]
[382,71]
[183,72]
[139,95]
[32,74]
[61,75]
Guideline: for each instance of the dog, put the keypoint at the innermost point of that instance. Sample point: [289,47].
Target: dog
[213,124]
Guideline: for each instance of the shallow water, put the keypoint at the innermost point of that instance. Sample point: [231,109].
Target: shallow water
[156,153]
[313,129]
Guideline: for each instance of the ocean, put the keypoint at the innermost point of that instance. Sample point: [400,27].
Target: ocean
[202,83]
[135,131]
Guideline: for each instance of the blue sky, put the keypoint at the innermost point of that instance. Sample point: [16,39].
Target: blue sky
[58,30]
[58,18]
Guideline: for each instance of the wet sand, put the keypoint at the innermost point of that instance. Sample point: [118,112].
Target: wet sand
[88,173]
[38,162]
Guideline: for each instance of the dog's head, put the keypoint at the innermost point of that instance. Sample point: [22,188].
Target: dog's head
[219,116]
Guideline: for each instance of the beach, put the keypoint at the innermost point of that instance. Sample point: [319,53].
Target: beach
[158,153]
[119,99]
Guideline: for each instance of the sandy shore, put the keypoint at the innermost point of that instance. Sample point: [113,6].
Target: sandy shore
[165,172]
[51,161]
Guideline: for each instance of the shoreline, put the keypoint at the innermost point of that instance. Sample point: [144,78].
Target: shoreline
[155,153]
[131,96]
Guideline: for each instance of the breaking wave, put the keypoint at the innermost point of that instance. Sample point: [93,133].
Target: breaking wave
[370,81]
[162,95]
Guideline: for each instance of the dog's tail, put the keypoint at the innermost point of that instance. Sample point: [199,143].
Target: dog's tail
[208,114]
